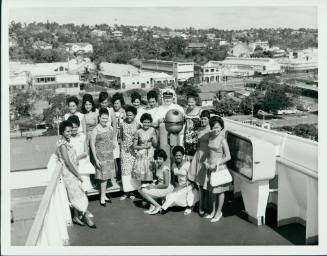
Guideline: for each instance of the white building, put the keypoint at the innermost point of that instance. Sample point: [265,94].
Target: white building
[49,76]
[264,45]
[76,47]
[261,66]
[41,45]
[210,36]
[306,59]
[130,77]
[117,34]
[181,71]
[19,82]
[98,33]
[223,42]
[207,98]
[212,72]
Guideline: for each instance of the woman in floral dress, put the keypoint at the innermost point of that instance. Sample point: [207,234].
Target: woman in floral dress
[102,144]
[73,182]
[192,125]
[127,131]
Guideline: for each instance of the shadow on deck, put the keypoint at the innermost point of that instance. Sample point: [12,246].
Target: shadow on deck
[124,223]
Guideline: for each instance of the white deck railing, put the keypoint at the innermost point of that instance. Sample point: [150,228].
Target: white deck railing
[53,216]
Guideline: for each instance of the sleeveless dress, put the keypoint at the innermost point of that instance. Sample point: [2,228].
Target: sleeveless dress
[215,151]
[197,171]
[80,117]
[91,121]
[128,155]
[144,165]
[75,191]
[85,168]
[192,125]
[160,192]
[104,152]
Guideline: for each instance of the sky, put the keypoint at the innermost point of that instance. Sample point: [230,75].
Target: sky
[236,17]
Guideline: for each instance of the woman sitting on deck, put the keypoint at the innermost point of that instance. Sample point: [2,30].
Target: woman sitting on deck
[184,194]
[162,187]
[73,182]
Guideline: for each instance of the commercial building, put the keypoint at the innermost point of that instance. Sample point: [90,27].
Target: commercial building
[46,76]
[129,77]
[301,60]
[181,71]
[249,66]
[211,72]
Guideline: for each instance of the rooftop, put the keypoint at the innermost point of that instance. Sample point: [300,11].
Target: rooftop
[118,70]
[32,153]
[246,61]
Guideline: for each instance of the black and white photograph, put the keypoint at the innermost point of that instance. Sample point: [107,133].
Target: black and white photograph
[189,126]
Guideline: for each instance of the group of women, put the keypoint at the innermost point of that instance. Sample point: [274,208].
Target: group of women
[122,144]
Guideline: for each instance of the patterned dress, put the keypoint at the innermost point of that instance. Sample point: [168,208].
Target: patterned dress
[120,115]
[197,171]
[104,153]
[192,125]
[215,152]
[128,155]
[144,165]
[75,191]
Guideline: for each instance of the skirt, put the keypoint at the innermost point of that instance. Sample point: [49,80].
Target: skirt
[143,167]
[129,183]
[158,192]
[186,196]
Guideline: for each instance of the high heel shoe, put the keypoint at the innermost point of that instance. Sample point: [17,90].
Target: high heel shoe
[155,211]
[103,204]
[77,221]
[108,199]
[88,221]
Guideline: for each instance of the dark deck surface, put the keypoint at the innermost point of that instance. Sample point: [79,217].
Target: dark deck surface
[124,223]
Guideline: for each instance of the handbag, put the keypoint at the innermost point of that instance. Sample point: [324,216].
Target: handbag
[221,176]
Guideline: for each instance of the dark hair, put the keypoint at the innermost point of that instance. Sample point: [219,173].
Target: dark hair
[89,98]
[103,96]
[205,113]
[63,125]
[118,96]
[74,120]
[216,119]
[103,111]
[178,149]
[131,109]
[160,153]
[152,95]
[72,99]
[193,95]
[135,96]
[146,116]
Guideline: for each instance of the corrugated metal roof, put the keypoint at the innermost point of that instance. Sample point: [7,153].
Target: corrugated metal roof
[31,154]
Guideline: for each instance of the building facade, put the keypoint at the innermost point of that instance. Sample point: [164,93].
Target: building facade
[302,60]
[181,71]
[76,47]
[241,50]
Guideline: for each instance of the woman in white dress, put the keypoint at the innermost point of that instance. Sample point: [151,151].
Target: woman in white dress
[78,140]
[184,193]
[72,103]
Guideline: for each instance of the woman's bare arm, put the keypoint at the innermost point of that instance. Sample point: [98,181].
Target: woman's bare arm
[226,153]
[68,163]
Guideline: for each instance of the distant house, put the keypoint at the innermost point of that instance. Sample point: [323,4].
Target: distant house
[264,45]
[13,42]
[306,59]
[19,82]
[196,46]
[241,50]
[41,45]
[98,33]
[76,47]
[207,98]
[210,36]
[155,36]
[223,42]
[117,34]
